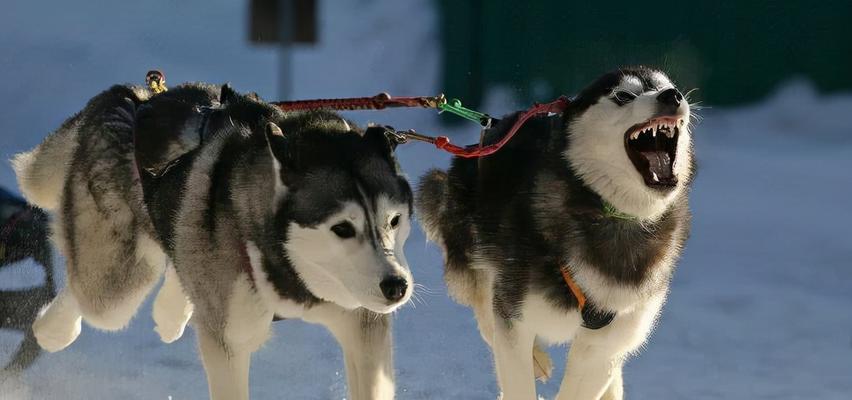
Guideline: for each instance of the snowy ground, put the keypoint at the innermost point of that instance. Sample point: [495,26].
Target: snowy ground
[760,307]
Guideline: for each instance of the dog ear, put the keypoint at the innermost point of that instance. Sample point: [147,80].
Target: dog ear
[379,136]
[276,141]
[228,94]
[272,129]
[279,146]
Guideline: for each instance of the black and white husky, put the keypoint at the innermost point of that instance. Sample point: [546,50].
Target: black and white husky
[252,213]
[595,198]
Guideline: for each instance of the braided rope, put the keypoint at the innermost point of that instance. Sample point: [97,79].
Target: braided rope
[377,102]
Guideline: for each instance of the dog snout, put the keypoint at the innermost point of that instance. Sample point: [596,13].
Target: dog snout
[670,97]
[394,287]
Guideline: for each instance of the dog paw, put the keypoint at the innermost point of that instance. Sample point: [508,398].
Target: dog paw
[170,321]
[54,334]
[169,332]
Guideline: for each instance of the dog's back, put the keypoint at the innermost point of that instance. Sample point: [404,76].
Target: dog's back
[85,173]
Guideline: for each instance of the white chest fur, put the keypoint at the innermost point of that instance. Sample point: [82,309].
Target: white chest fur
[284,308]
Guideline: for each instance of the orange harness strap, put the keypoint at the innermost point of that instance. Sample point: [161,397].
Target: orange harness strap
[575,288]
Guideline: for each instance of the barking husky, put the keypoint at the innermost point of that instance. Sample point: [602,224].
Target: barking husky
[583,210]
[251,212]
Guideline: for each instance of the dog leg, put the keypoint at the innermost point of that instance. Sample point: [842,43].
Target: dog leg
[542,363]
[227,368]
[485,321]
[172,308]
[59,323]
[226,353]
[596,356]
[590,370]
[513,346]
[615,390]
[366,340]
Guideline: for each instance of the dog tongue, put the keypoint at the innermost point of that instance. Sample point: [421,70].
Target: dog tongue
[659,163]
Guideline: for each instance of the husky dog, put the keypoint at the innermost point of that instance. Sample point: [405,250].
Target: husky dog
[588,207]
[251,212]
[23,235]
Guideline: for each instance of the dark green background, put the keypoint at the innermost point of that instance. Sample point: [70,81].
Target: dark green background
[733,51]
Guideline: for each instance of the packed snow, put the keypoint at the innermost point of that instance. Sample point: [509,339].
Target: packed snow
[759,308]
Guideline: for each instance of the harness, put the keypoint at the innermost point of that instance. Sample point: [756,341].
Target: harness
[593,318]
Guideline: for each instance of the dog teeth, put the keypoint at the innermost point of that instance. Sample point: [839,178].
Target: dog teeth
[654,176]
[669,128]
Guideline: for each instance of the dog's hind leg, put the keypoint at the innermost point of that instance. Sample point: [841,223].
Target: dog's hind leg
[366,340]
[172,309]
[513,345]
[484,314]
[58,324]
[117,278]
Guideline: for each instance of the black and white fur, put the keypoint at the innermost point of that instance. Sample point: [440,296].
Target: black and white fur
[252,213]
[508,223]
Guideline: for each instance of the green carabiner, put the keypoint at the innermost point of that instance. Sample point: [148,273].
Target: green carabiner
[454,106]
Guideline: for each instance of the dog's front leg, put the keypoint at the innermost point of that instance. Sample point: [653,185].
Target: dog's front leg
[596,357]
[226,350]
[591,369]
[513,345]
[227,368]
[366,340]
[615,390]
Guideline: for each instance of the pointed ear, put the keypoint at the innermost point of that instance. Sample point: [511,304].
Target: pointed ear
[228,94]
[276,141]
[272,129]
[378,135]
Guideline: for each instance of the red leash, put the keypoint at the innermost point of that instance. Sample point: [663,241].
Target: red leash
[156,82]
[557,106]
[384,100]
[377,102]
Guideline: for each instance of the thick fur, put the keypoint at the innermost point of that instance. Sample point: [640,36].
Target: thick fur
[510,222]
[242,206]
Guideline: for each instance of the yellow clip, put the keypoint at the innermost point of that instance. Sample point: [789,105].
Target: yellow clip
[156,81]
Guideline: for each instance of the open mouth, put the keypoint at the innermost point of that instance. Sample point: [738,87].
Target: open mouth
[652,147]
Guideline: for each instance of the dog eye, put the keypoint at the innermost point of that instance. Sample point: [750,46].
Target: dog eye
[394,221]
[344,230]
[621,97]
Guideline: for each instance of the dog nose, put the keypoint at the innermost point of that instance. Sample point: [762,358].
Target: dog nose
[670,97]
[393,287]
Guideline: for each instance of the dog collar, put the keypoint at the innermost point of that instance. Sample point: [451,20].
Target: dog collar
[593,318]
[610,211]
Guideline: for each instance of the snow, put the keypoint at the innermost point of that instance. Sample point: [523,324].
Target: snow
[758,309]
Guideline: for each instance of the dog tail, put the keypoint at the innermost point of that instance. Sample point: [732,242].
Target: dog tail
[431,202]
[41,171]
